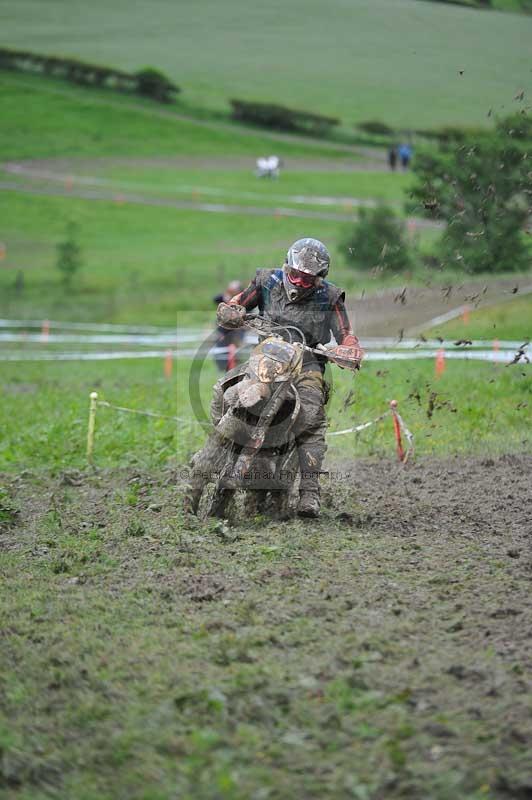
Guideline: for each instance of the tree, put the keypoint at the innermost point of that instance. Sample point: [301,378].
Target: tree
[481,188]
[378,240]
[69,258]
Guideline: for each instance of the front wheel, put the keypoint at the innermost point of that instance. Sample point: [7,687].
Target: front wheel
[220,500]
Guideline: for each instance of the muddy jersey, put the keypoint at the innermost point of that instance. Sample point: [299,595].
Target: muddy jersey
[317,315]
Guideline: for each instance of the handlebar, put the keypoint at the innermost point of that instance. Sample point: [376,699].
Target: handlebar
[250,321]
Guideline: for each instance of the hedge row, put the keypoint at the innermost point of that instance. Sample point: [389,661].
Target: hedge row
[269,115]
[148,82]
[152,83]
[447,133]
[524,6]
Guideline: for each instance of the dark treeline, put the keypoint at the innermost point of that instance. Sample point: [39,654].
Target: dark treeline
[269,115]
[524,6]
[147,82]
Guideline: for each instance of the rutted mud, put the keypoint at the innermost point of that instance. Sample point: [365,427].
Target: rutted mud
[385,646]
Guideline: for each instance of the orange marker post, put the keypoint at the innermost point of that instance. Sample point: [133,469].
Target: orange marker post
[496,348]
[397,431]
[45,330]
[465,316]
[440,362]
[168,364]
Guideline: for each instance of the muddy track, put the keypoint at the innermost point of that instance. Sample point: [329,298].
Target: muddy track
[396,628]
[51,190]
[99,165]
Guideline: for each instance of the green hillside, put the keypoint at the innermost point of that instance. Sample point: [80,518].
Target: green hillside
[409,63]
[141,261]
[44,118]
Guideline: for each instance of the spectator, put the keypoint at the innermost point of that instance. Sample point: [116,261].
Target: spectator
[224,337]
[405,155]
[392,158]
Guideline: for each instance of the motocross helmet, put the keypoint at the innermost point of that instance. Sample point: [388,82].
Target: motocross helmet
[306,261]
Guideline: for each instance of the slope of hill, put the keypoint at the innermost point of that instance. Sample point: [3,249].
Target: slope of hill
[42,118]
[406,62]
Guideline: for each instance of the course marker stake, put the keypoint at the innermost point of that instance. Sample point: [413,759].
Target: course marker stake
[92,421]
[45,330]
[440,362]
[397,431]
[168,363]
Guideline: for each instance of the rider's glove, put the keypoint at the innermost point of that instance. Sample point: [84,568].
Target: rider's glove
[230,315]
[349,352]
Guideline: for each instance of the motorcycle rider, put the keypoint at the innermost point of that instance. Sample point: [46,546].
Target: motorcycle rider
[298,294]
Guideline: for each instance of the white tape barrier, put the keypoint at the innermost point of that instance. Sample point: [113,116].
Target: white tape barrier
[151,334]
[105,404]
[95,402]
[101,338]
[409,436]
[93,326]
[359,428]
[500,357]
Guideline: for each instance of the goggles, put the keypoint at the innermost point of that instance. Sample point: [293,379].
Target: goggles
[302,279]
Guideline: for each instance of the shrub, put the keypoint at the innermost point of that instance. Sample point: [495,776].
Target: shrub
[378,241]
[481,188]
[152,83]
[270,115]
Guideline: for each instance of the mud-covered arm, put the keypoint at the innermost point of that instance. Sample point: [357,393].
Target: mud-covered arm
[348,352]
[232,314]
[341,326]
[249,297]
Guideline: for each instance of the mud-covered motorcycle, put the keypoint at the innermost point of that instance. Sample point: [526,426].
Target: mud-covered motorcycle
[252,446]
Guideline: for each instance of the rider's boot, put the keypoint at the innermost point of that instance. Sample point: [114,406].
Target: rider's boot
[310,461]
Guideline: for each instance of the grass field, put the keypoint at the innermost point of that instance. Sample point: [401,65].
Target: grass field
[237,186]
[43,118]
[141,264]
[409,63]
[299,188]
[509,320]
[44,411]
[379,653]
